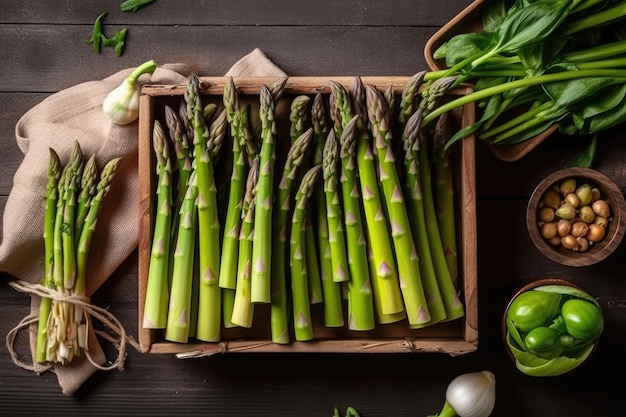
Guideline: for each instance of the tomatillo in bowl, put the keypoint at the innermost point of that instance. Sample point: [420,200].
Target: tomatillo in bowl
[551,326]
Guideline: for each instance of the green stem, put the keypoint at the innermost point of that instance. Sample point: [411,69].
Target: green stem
[280,232]
[402,237]
[444,195]
[303,326]
[209,302]
[69,219]
[454,306]
[178,318]
[157,292]
[601,64]
[230,242]
[386,274]
[57,263]
[608,50]
[597,19]
[87,190]
[54,174]
[529,124]
[145,68]
[262,245]
[332,290]
[361,300]
[243,309]
[619,75]
[86,235]
[527,115]
[447,411]
[415,205]
[314,275]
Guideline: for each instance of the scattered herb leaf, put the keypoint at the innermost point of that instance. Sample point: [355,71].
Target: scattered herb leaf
[99,39]
[116,41]
[96,36]
[133,5]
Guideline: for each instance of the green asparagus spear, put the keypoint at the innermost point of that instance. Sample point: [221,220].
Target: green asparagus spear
[331,277]
[415,206]
[157,292]
[209,304]
[303,326]
[68,229]
[52,196]
[243,308]
[452,302]
[360,302]
[86,235]
[298,116]
[445,193]
[178,317]
[404,246]
[262,245]
[280,231]
[182,150]
[385,278]
[87,190]
[230,242]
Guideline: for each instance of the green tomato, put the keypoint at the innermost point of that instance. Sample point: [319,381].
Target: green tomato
[533,309]
[583,319]
[544,342]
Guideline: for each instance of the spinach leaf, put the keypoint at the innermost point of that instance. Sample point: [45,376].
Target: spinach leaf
[585,158]
[566,94]
[609,119]
[493,13]
[461,46]
[527,25]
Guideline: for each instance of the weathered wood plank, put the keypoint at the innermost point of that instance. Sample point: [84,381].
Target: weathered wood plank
[38,57]
[239,12]
[13,106]
[52,57]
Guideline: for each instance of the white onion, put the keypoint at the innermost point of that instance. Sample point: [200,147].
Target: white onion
[473,394]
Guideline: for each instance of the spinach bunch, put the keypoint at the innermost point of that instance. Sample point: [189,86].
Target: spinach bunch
[537,63]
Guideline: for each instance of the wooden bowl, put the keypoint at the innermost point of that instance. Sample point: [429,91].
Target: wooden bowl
[467,21]
[614,231]
[530,286]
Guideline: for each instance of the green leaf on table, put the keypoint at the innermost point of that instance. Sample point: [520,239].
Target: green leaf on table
[585,158]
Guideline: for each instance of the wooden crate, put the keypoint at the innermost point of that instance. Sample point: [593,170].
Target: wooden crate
[455,338]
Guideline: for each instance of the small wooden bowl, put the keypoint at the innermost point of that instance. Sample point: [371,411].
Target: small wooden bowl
[534,284]
[614,231]
[467,21]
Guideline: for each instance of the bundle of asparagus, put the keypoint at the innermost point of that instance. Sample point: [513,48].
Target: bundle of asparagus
[73,202]
[333,217]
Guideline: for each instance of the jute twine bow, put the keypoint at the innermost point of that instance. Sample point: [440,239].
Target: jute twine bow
[100,314]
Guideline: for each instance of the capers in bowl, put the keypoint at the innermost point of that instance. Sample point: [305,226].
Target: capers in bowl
[576,212]
[576,216]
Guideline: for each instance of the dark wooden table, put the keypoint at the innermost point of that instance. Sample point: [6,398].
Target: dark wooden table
[43,50]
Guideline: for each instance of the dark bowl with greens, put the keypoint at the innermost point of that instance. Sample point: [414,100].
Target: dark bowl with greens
[551,326]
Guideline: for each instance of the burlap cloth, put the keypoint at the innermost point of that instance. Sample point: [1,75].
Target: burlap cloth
[75,114]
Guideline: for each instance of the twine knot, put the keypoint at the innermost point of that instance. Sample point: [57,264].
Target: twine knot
[119,341]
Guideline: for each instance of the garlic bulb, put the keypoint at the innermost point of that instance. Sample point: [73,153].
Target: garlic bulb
[470,395]
[121,105]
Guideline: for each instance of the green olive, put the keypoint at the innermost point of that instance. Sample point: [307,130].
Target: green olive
[533,309]
[544,342]
[583,319]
